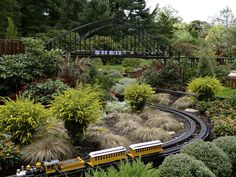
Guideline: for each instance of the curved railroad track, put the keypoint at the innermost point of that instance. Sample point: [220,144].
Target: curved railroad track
[196,129]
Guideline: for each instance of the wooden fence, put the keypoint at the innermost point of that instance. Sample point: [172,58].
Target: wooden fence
[8,46]
[230,82]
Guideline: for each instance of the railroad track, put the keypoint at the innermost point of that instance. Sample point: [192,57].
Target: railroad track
[196,129]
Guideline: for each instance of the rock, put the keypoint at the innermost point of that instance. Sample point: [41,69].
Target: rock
[193,111]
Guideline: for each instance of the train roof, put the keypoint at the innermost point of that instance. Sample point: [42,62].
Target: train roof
[53,162]
[146,144]
[107,151]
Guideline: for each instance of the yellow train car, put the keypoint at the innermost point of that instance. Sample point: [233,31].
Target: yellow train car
[107,155]
[141,149]
[51,167]
[71,164]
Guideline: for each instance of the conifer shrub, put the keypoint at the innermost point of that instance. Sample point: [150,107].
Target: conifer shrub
[11,32]
[205,67]
[213,157]
[137,95]
[22,119]
[78,108]
[182,165]
[205,87]
[228,145]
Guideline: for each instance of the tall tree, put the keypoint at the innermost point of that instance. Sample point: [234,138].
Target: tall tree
[134,11]
[166,18]
[72,13]
[38,16]
[226,17]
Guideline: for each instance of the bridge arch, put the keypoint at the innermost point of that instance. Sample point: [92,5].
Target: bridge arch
[113,38]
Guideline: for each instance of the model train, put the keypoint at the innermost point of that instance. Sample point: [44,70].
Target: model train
[95,158]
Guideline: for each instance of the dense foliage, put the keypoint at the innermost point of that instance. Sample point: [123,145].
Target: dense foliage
[182,165]
[9,152]
[228,145]
[211,155]
[78,108]
[205,66]
[35,63]
[127,169]
[22,119]
[205,87]
[137,95]
[151,77]
[222,114]
[119,87]
[43,92]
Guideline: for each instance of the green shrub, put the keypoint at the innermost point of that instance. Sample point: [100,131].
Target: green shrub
[224,124]
[205,67]
[151,77]
[213,157]
[9,153]
[205,87]
[131,62]
[43,92]
[34,64]
[41,62]
[223,116]
[138,95]
[170,72]
[22,119]
[182,165]
[228,145]
[189,72]
[120,86]
[127,169]
[78,108]
[202,106]
[221,72]
[116,107]
[233,66]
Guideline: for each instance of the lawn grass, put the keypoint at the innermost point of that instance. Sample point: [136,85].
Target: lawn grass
[226,92]
[117,67]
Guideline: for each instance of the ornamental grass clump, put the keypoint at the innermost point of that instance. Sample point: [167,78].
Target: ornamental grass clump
[144,133]
[78,108]
[22,119]
[47,149]
[213,157]
[164,99]
[182,165]
[137,95]
[183,103]
[205,87]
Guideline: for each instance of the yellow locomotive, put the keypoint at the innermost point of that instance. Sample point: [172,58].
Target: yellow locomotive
[95,158]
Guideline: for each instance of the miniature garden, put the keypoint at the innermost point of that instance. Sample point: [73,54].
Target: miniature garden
[57,106]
